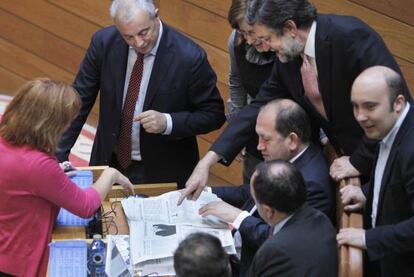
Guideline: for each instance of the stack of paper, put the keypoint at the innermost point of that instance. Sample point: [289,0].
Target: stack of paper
[117,256]
[157,225]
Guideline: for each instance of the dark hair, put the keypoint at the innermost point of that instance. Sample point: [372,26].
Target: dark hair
[275,13]
[279,185]
[395,86]
[237,12]
[290,118]
[201,255]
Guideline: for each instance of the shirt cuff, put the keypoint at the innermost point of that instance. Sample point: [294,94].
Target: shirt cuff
[239,219]
[364,244]
[168,129]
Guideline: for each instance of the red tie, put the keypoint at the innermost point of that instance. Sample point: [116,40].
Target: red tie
[124,143]
[310,84]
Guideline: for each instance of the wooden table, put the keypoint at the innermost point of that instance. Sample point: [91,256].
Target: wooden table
[113,201]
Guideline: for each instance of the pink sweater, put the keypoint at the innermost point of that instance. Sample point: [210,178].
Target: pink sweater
[32,188]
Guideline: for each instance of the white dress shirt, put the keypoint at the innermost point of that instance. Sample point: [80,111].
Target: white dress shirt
[310,45]
[146,75]
[384,152]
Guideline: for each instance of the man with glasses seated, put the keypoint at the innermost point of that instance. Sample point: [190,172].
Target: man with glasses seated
[157,92]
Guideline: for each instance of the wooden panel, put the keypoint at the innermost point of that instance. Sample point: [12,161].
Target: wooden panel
[401,10]
[398,36]
[96,170]
[96,11]
[37,41]
[231,174]
[224,91]
[30,66]
[218,59]
[198,23]
[53,19]
[408,71]
[9,81]
[60,233]
[147,189]
[219,7]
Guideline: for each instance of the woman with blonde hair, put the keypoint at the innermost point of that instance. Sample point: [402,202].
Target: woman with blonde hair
[32,185]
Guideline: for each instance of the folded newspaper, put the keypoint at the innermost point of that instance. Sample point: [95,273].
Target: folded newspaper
[157,225]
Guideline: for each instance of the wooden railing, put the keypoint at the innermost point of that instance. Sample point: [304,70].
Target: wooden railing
[118,191]
[350,258]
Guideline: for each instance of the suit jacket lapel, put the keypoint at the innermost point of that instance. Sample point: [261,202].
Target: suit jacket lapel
[292,71]
[323,63]
[119,61]
[385,176]
[304,159]
[407,123]
[162,62]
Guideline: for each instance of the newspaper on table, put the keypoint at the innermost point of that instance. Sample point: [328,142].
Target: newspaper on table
[117,257]
[157,225]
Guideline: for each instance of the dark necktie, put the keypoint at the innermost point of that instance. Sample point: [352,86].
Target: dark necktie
[310,84]
[124,143]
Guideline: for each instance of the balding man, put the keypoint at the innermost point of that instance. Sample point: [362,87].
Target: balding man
[147,71]
[201,255]
[302,240]
[384,114]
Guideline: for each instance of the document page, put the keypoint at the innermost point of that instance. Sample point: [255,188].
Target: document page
[157,225]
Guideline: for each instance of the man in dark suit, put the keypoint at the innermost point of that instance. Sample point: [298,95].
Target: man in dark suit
[157,92]
[284,133]
[388,200]
[302,241]
[320,57]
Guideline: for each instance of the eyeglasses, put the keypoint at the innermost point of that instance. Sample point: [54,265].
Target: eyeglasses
[264,39]
[248,34]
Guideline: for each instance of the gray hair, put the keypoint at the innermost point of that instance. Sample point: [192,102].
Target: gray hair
[126,9]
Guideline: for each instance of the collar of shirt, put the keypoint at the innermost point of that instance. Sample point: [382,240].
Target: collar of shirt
[280,224]
[298,155]
[310,42]
[388,140]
